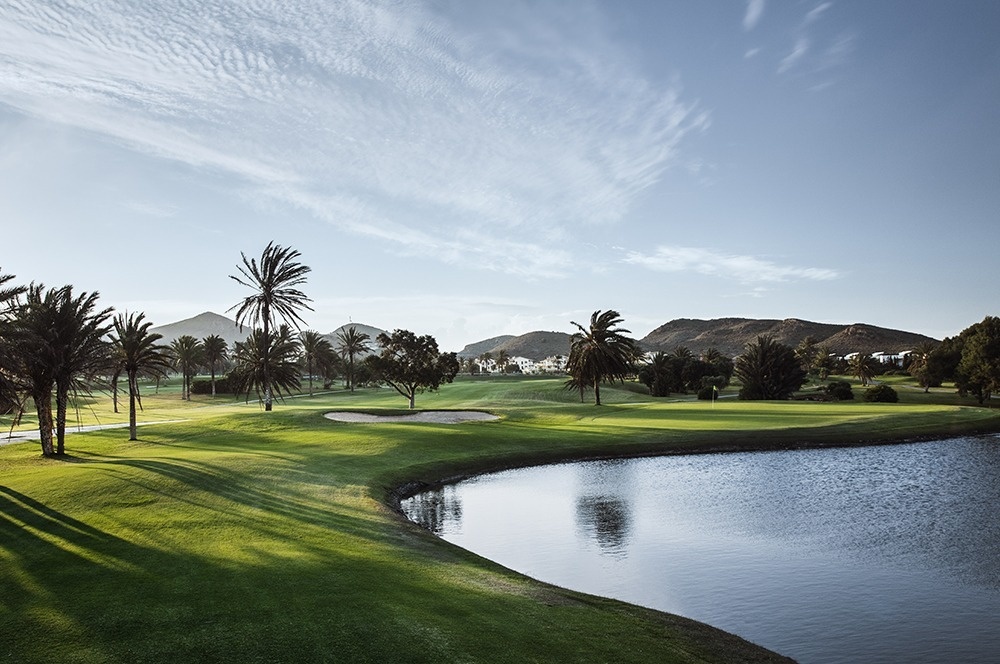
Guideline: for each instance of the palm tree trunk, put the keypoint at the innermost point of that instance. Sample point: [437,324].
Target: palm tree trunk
[212,370]
[597,393]
[62,404]
[43,407]
[133,389]
[267,359]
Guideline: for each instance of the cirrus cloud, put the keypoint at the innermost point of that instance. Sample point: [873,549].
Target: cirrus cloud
[746,269]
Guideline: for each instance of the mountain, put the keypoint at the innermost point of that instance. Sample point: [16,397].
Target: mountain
[730,335]
[484,346]
[533,345]
[201,326]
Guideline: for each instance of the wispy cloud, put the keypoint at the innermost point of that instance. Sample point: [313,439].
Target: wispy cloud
[746,269]
[754,10]
[813,52]
[387,120]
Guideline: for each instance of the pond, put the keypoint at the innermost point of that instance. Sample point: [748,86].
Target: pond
[874,554]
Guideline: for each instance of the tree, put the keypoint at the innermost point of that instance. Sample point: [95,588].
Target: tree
[865,367]
[657,374]
[8,386]
[188,355]
[920,366]
[768,369]
[280,375]
[412,364]
[351,344]
[503,359]
[317,353]
[58,343]
[275,281]
[83,350]
[601,353]
[138,354]
[824,363]
[807,352]
[881,394]
[216,351]
[978,370]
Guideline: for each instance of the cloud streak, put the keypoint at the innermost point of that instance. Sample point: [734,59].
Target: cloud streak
[754,10]
[388,121]
[746,269]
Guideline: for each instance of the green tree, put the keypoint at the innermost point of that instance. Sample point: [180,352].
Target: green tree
[216,351]
[8,387]
[188,356]
[978,370]
[920,366]
[601,353]
[275,280]
[138,354]
[768,369]
[865,367]
[59,346]
[823,363]
[317,354]
[503,359]
[412,364]
[280,375]
[352,344]
[658,374]
[806,352]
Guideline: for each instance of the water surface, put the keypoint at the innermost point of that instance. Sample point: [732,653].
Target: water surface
[877,554]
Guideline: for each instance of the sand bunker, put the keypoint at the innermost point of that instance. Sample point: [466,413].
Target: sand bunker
[432,416]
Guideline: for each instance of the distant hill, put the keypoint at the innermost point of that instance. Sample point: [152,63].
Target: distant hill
[201,326]
[730,335]
[484,346]
[533,345]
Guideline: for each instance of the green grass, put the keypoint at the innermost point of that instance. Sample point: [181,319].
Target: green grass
[244,536]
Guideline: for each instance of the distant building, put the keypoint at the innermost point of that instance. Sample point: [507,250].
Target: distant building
[552,364]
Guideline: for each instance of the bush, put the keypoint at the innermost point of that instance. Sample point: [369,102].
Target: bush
[881,394]
[204,385]
[708,393]
[840,390]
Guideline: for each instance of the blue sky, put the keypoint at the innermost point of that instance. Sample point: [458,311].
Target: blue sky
[469,169]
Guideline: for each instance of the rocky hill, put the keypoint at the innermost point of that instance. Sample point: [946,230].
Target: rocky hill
[201,326]
[533,345]
[730,335]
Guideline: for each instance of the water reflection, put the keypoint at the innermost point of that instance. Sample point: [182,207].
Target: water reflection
[439,511]
[603,510]
[864,554]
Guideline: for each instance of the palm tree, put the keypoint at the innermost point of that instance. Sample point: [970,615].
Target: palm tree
[864,366]
[275,280]
[82,344]
[768,369]
[503,359]
[601,353]
[282,373]
[317,353]
[216,350]
[138,354]
[920,367]
[8,388]
[350,344]
[188,354]
[59,343]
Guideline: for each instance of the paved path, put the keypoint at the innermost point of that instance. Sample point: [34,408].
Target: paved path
[8,438]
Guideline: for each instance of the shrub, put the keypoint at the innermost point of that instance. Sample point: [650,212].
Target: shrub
[840,390]
[881,394]
[204,385]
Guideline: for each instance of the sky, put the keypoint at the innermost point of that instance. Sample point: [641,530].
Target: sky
[468,168]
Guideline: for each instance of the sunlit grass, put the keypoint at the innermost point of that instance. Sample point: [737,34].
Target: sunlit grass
[245,536]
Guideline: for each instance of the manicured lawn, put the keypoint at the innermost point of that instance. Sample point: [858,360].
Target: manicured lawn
[244,536]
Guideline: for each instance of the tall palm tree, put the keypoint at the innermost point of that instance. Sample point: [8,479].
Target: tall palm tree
[188,354]
[59,344]
[138,354]
[351,343]
[317,353]
[216,350]
[919,365]
[282,373]
[503,359]
[274,279]
[601,353]
[768,369]
[84,350]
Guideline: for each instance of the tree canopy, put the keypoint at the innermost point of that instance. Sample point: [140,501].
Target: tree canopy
[412,364]
[978,371]
[601,353]
[768,369]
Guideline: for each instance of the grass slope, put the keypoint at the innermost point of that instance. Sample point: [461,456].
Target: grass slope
[244,536]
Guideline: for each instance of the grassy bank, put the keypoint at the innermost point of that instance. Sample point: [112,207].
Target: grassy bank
[243,536]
